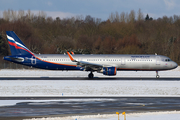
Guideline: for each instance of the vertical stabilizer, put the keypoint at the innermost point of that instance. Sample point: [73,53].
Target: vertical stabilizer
[17,47]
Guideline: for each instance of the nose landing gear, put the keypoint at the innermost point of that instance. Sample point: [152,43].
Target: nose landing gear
[157,76]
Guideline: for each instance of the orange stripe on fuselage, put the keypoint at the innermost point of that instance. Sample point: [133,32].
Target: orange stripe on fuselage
[55,63]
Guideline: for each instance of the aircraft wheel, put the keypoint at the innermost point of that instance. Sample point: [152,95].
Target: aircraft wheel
[157,76]
[91,75]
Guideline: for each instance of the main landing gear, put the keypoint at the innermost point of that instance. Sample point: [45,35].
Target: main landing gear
[157,76]
[91,75]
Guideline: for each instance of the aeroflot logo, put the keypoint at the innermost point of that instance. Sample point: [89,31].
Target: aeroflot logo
[18,44]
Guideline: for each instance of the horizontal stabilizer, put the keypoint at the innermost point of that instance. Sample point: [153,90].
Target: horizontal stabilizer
[16,59]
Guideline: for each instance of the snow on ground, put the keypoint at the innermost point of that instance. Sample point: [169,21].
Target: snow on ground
[171,115]
[50,73]
[88,87]
[93,88]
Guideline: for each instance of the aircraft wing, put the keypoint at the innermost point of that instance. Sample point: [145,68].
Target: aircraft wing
[86,65]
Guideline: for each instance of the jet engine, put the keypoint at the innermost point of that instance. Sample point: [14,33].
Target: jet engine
[109,71]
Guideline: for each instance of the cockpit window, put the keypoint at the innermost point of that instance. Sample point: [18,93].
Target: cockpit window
[167,60]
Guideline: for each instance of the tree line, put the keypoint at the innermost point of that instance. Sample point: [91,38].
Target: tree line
[121,33]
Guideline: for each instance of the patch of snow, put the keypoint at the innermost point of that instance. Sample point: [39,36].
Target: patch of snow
[88,87]
[50,73]
[169,115]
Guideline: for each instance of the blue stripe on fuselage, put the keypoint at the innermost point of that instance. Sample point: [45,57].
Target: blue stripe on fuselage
[40,63]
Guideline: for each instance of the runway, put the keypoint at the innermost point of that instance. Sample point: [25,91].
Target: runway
[63,106]
[95,78]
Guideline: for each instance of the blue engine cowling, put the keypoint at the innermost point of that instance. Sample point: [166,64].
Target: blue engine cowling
[109,70]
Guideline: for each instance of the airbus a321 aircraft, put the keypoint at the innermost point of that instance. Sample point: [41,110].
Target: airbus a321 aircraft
[105,64]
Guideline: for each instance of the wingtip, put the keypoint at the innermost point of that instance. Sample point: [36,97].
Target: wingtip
[72,52]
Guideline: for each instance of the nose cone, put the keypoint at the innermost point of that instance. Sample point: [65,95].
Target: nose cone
[174,65]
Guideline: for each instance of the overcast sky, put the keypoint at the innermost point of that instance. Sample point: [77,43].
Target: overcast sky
[96,8]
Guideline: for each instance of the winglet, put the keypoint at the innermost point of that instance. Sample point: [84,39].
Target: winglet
[72,52]
[71,57]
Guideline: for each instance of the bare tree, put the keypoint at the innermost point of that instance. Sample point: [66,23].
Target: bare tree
[132,16]
[42,14]
[111,17]
[13,15]
[5,15]
[123,17]
[140,15]
[21,14]
[117,17]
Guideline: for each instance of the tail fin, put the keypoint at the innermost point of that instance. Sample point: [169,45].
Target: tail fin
[16,45]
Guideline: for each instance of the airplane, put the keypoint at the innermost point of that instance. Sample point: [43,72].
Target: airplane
[107,64]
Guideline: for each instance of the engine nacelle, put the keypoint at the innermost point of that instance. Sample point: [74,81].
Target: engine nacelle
[109,71]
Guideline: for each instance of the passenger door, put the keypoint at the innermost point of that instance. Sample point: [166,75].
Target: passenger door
[158,60]
[123,61]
